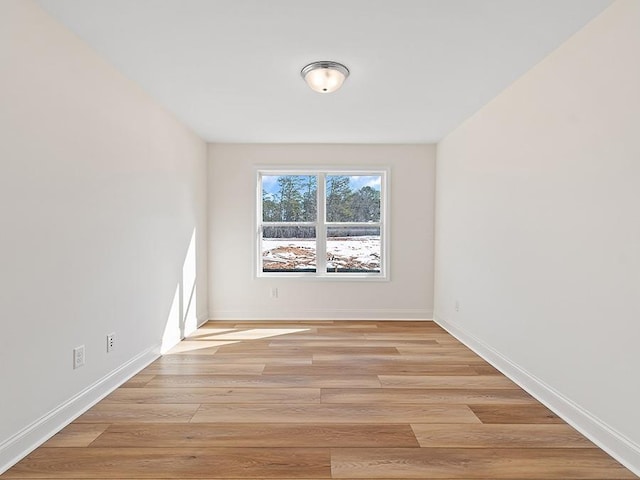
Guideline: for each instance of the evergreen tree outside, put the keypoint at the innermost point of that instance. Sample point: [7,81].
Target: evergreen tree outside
[365,205]
[309,198]
[270,208]
[290,198]
[338,199]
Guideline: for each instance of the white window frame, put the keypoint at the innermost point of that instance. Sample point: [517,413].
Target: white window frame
[321,224]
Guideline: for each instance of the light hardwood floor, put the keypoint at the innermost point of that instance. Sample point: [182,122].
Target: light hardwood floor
[285,400]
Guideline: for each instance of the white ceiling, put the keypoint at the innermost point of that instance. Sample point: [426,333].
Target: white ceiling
[229,69]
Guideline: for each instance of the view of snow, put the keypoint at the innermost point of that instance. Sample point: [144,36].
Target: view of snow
[361,253]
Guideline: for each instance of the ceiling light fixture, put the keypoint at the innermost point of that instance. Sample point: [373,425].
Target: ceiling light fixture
[325,76]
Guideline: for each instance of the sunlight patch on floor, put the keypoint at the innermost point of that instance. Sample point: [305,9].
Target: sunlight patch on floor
[202,333]
[211,338]
[254,334]
[187,346]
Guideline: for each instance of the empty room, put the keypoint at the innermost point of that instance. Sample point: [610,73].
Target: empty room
[285,239]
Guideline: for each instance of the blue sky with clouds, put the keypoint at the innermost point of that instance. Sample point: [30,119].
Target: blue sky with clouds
[356,182]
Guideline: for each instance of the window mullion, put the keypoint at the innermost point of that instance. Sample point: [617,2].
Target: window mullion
[321,228]
[353,224]
[288,224]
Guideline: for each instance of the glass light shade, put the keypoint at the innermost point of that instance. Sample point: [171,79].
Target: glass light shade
[325,77]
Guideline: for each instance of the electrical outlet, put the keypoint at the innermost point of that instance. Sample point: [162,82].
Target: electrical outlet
[78,357]
[274,292]
[111,341]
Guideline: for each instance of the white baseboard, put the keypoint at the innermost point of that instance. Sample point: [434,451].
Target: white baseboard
[324,314]
[615,444]
[29,438]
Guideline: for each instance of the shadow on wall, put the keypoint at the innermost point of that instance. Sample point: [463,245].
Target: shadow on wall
[182,319]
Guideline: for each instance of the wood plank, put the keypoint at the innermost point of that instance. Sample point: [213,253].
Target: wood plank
[348,343]
[119,463]
[197,347]
[308,335]
[331,413]
[331,368]
[364,328]
[427,396]
[486,370]
[407,331]
[272,358]
[500,436]
[270,350]
[277,323]
[265,355]
[437,348]
[265,381]
[511,414]
[430,336]
[76,435]
[451,359]
[204,369]
[444,357]
[214,395]
[137,381]
[205,332]
[444,463]
[442,382]
[136,413]
[251,335]
[440,336]
[257,435]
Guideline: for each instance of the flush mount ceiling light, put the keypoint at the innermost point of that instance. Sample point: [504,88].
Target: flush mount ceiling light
[325,77]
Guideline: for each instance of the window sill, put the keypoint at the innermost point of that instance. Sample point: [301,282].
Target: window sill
[327,277]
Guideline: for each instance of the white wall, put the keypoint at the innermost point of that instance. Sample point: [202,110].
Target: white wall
[234,290]
[538,230]
[100,194]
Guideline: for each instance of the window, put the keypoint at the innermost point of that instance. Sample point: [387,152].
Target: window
[322,224]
